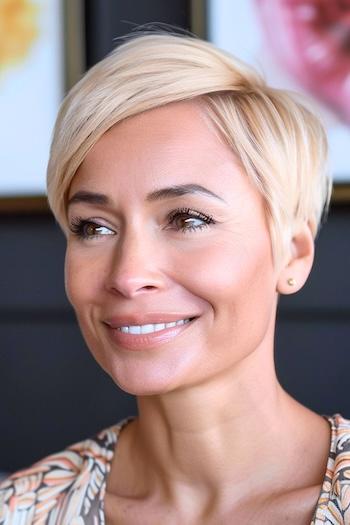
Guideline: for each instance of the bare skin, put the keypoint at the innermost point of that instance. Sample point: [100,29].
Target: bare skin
[271,480]
[217,439]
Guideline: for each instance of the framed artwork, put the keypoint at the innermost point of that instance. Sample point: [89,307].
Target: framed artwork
[300,46]
[41,56]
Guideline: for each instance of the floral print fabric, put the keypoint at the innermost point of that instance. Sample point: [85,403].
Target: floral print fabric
[333,506]
[68,488]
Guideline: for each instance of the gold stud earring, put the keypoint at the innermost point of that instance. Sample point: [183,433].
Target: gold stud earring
[291,281]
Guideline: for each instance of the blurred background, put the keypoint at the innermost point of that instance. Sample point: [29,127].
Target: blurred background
[52,392]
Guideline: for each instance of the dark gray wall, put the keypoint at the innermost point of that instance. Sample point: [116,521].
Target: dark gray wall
[51,390]
[313,328]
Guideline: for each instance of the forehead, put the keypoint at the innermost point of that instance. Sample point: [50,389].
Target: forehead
[173,144]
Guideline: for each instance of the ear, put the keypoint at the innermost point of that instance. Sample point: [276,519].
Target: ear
[295,271]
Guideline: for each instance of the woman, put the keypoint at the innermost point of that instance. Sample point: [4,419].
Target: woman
[190,194]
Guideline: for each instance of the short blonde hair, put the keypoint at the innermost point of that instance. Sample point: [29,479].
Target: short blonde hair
[280,143]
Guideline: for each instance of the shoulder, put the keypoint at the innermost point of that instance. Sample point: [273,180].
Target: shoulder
[335,495]
[71,479]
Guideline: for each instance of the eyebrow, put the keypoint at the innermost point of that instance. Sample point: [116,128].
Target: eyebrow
[164,193]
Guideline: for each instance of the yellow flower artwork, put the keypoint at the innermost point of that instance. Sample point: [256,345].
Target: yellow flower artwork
[32,79]
[18,30]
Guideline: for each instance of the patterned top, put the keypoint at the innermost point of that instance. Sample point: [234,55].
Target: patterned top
[68,488]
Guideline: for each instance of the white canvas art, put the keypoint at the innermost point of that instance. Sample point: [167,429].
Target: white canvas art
[31,89]
[266,33]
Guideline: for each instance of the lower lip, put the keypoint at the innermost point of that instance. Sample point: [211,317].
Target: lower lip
[146,341]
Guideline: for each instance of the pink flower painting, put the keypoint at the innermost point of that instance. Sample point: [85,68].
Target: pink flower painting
[311,41]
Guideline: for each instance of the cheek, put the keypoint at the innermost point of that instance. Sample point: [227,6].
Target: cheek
[229,268]
[71,277]
[80,277]
[237,280]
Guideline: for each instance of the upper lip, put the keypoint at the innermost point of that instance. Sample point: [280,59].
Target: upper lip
[145,318]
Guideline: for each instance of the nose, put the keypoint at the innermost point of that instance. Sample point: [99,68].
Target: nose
[135,267]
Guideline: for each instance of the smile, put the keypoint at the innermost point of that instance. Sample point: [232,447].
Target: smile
[150,328]
[148,336]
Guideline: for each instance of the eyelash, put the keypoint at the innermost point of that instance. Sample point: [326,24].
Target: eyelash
[191,214]
[79,225]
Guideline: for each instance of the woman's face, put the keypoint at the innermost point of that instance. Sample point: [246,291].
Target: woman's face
[143,249]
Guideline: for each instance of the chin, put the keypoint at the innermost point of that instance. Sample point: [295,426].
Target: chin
[147,373]
[144,387]
[142,380]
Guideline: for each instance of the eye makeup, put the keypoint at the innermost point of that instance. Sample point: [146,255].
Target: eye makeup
[183,220]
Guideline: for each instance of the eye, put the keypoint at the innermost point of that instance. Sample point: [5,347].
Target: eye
[87,229]
[186,219]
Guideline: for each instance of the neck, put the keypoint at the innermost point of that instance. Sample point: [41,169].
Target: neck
[241,428]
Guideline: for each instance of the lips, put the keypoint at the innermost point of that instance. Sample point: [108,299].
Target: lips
[147,341]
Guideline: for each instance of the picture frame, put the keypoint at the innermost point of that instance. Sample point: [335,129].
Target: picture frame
[66,60]
[206,13]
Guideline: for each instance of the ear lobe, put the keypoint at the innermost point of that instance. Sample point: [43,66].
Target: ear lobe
[297,267]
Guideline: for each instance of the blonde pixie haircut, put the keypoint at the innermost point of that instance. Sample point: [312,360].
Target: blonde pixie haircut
[279,142]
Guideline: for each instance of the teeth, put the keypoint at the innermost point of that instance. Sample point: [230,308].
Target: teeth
[149,328]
